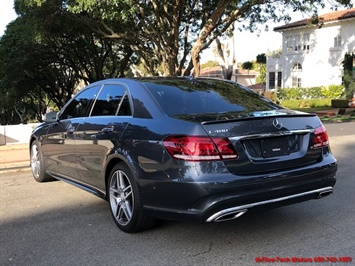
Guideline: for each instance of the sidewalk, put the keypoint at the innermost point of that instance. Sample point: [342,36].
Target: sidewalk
[14,157]
[332,112]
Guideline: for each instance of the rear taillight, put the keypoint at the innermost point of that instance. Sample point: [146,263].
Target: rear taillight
[320,137]
[194,148]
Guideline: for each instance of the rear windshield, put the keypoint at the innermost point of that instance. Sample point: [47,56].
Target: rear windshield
[198,96]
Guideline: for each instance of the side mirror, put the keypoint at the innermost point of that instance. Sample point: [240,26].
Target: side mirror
[50,117]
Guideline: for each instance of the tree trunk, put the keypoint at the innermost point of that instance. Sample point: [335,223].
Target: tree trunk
[195,57]
[188,69]
[224,61]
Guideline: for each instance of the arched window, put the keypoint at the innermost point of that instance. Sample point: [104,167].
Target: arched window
[296,75]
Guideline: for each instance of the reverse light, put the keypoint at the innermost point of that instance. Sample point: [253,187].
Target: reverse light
[195,148]
[320,137]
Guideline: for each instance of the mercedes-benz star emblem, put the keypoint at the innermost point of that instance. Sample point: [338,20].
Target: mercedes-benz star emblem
[277,123]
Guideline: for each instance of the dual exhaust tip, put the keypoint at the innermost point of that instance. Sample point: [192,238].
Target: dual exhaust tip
[226,215]
[325,193]
[230,216]
[236,212]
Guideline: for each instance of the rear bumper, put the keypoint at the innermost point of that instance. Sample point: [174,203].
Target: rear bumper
[217,201]
[235,212]
[227,209]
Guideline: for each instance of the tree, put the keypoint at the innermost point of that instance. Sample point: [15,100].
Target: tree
[261,61]
[349,80]
[275,53]
[248,65]
[209,64]
[46,53]
[20,59]
[174,33]
[225,54]
[91,55]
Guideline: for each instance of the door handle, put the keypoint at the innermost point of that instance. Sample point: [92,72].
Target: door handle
[107,129]
[71,129]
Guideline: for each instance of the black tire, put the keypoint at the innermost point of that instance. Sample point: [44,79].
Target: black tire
[125,203]
[37,165]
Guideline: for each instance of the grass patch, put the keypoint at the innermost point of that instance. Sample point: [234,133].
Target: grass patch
[338,119]
[348,116]
[313,109]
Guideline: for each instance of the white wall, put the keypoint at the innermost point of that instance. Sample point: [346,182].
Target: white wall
[13,134]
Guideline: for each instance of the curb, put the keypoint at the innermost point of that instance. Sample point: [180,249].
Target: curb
[14,169]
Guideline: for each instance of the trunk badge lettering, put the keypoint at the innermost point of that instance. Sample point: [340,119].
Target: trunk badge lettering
[219,131]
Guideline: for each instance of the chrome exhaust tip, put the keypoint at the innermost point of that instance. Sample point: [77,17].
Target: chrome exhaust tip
[325,193]
[235,212]
[226,215]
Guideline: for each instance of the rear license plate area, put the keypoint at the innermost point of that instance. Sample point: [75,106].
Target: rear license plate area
[272,147]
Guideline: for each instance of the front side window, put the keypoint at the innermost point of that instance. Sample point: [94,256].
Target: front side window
[296,75]
[111,100]
[80,105]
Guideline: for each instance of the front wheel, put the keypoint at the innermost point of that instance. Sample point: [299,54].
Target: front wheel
[125,204]
[37,165]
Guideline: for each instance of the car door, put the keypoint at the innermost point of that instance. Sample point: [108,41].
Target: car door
[97,135]
[59,142]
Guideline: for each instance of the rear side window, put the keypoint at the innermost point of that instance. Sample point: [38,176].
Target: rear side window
[192,97]
[125,107]
[112,100]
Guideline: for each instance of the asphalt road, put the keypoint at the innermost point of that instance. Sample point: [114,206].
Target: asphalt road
[58,224]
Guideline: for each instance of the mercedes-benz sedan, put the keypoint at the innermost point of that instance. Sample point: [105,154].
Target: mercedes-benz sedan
[203,150]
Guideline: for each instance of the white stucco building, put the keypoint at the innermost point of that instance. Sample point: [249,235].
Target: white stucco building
[312,55]
[242,76]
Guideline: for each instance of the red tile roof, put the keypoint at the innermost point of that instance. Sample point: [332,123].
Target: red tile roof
[257,87]
[338,15]
[210,71]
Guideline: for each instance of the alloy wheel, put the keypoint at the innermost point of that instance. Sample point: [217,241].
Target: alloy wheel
[121,197]
[35,161]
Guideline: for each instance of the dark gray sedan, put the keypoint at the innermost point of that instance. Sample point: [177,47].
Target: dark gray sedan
[203,150]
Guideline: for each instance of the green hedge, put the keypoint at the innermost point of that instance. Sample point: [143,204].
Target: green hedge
[306,103]
[340,103]
[331,92]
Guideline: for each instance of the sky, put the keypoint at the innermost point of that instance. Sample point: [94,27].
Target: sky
[247,45]
[7,14]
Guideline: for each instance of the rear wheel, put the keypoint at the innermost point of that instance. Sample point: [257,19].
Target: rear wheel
[125,204]
[37,165]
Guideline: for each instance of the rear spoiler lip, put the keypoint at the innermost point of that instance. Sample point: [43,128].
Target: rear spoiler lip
[255,117]
[274,134]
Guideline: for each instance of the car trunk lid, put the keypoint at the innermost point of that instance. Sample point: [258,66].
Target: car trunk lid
[268,141]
